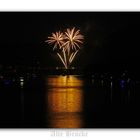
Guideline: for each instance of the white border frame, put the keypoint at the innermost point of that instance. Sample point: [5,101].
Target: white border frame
[71,5]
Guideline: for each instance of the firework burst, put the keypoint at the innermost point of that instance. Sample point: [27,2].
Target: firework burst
[57,39]
[73,38]
[68,42]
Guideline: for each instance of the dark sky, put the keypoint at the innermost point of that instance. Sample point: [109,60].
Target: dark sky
[110,37]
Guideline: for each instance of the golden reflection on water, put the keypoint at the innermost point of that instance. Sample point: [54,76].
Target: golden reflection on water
[65,101]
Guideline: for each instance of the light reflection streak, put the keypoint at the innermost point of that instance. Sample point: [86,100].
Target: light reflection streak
[65,101]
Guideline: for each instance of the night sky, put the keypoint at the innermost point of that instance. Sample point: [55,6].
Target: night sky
[111,38]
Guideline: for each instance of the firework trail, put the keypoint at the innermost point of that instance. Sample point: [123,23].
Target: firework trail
[68,42]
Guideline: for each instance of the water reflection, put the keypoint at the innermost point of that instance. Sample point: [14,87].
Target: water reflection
[65,101]
[65,120]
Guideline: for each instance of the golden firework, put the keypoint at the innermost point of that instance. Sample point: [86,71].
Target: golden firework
[57,39]
[68,42]
[73,38]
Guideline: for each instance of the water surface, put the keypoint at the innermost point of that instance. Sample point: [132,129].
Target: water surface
[73,101]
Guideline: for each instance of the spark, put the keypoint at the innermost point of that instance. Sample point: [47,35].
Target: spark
[65,59]
[62,60]
[72,38]
[73,56]
[56,39]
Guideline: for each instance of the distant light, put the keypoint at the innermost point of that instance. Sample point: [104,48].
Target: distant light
[21,84]
[21,79]
[111,84]
[123,74]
